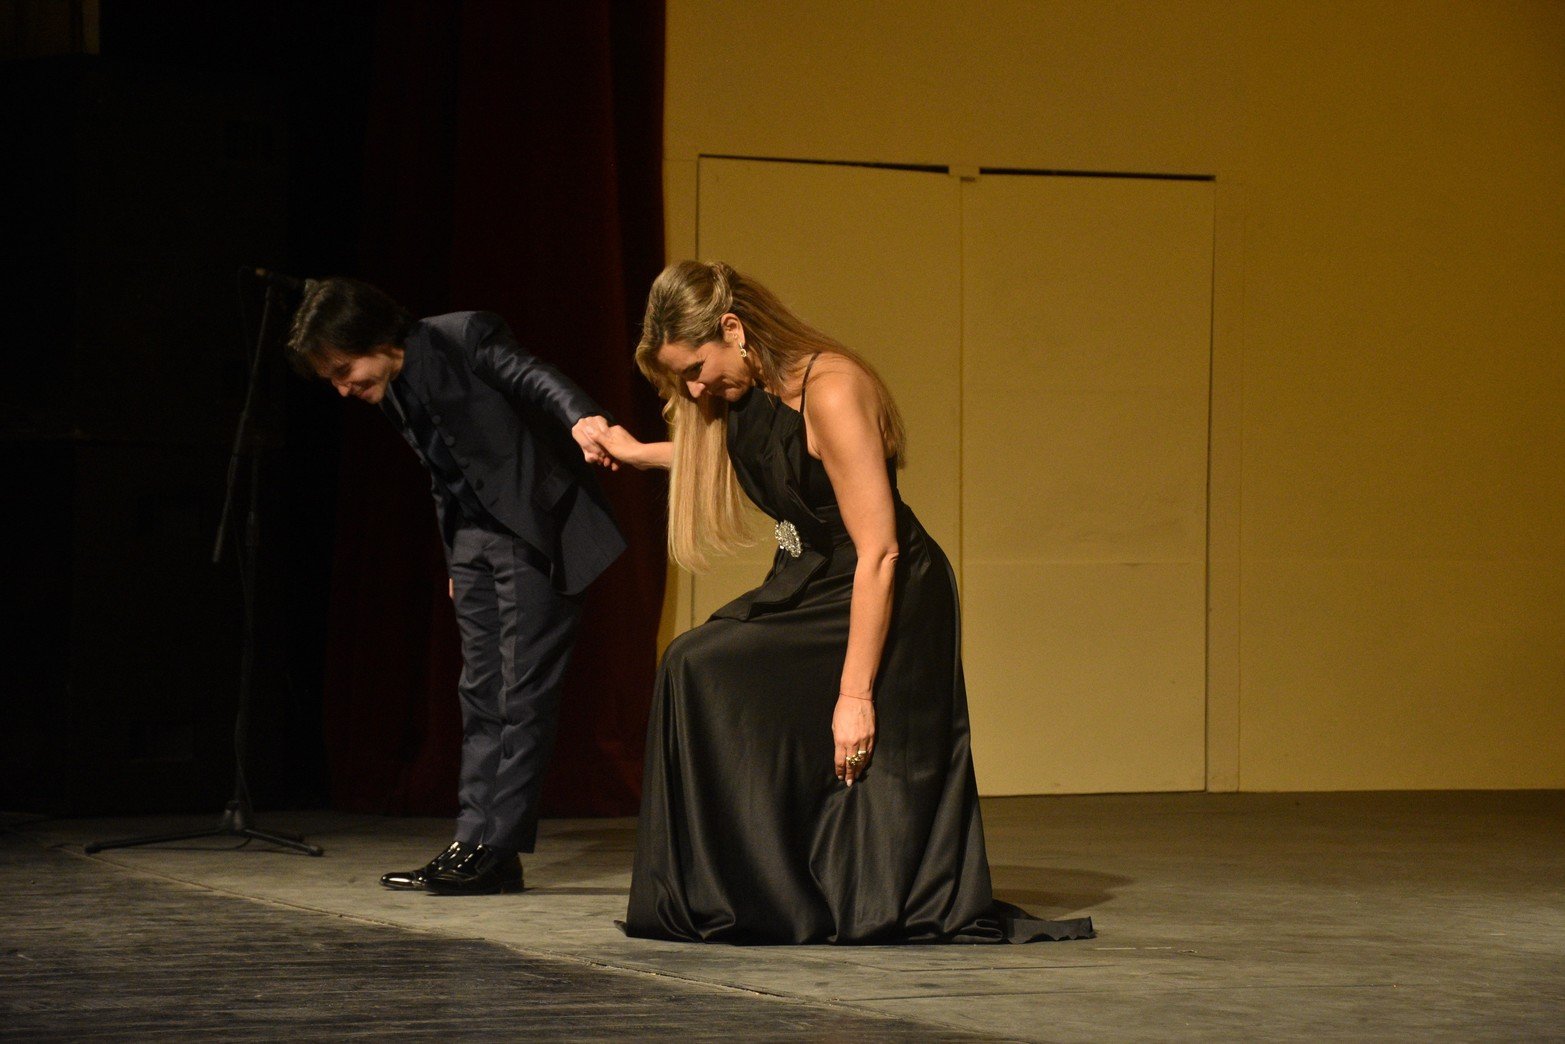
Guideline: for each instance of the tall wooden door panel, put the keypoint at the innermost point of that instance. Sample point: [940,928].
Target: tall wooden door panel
[1048,341]
[1086,347]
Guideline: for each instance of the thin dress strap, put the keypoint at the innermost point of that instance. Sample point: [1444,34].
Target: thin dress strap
[804,388]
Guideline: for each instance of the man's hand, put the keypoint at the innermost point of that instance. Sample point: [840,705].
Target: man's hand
[588,433]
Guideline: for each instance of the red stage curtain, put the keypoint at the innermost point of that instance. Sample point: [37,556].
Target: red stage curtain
[513,164]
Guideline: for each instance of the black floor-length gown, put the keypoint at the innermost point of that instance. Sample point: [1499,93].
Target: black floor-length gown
[746,835]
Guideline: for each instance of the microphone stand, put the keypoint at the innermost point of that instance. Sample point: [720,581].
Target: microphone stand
[238,817]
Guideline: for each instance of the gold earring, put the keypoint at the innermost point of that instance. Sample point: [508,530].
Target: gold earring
[743,354]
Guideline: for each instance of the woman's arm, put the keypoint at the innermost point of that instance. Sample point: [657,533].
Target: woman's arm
[844,425]
[627,449]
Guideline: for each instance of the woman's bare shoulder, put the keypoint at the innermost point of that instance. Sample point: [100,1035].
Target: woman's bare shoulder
[840,388]
[838,375]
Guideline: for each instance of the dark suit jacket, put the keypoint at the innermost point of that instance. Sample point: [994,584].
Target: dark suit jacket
[506,418]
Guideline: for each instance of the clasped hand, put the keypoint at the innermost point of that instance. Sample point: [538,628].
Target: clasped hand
[588,433]
[606,445]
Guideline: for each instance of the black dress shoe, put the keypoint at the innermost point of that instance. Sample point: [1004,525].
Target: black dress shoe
[483,871]
[413,880]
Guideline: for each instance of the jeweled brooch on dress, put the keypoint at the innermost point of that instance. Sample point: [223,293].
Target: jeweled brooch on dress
[788,538]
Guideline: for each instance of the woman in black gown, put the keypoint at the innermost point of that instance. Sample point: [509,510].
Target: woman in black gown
[808,773]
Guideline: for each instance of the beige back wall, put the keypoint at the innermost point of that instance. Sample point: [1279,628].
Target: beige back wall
[1386,556]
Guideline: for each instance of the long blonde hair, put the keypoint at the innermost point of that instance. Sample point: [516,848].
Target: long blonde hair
[706,513]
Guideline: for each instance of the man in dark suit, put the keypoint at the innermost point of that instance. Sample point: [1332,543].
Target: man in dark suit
[508,441]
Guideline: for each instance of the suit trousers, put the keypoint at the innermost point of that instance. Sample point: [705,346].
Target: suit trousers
[517,633]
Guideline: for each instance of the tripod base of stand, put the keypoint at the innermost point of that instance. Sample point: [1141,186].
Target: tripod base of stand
[235,823]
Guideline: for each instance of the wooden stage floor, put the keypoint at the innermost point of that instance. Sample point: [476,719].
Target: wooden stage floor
[1407,916]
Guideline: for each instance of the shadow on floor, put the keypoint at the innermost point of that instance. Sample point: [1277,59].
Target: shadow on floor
[1052,892]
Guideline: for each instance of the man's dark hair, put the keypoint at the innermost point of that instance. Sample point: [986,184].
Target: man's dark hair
[341,316]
